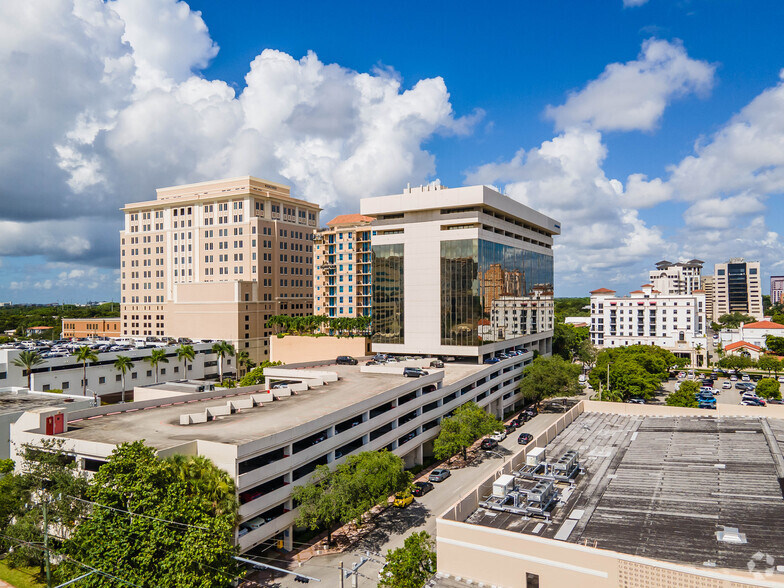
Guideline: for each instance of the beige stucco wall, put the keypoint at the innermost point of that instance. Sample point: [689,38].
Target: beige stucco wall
[295,349]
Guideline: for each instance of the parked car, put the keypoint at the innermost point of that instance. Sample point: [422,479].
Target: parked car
[500,436]
[636,400]
[411,372]
[492,360]
[752,401]
[436,363]
[502,356]
[510,427]
[745,377]
[489,443]
[707,382]
[525,438]
[345,360]
[727,385]
[439,475]
[531,411]
[733,378]
[781,379]
[403,499]
[421,488]
[775,401]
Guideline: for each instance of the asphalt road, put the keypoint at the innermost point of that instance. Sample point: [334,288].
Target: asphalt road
[391,527]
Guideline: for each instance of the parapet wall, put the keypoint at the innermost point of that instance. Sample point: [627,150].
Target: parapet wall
[293,349]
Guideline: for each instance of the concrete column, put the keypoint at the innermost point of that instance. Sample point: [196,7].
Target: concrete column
[288,538]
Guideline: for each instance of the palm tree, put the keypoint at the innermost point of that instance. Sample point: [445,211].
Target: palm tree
[223,349]
[243,360]
[123,364]
[157,356]
[698,348]
[85,354]
[185,353]
[28,360]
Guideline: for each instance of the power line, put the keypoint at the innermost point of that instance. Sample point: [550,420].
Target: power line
[77,562]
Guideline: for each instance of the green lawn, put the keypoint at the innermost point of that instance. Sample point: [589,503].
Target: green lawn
[19,577]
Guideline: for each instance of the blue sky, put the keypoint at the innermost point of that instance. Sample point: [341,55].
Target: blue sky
[650,129]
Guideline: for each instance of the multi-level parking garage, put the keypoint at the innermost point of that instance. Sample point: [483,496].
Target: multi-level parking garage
[271,440]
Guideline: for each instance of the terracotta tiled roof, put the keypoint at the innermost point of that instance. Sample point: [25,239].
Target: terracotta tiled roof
[647,285]
[637,292]
[741,345]
[602,291]
[700,291]
[763,325]
[350,219]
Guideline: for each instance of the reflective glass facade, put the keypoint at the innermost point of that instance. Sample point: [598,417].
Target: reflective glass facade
[493,292]
[387,279]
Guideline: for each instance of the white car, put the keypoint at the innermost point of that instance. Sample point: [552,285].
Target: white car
[499,436]
[781,379]
[733,378]
[745,378]
[726,385]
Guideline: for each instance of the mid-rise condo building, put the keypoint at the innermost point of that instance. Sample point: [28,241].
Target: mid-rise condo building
[648,317]
[737,288]
[215,260]
[341,267]
[449,267]
[677,278]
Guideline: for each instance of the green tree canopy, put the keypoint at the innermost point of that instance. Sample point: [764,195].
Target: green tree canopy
[256,375]
[156,357]
[351,489]
[768,388]
[734,319]
[636,370]
[685,395]
[735,362]
[775,344]
[48,478]
[571,307]
[459,431]
[769,364]
[156,522]
[412,565]
[567,340]
[549,377]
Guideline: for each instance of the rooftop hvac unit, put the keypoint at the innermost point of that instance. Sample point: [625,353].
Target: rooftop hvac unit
[536,456]
[503,486]
[566,462]
[541,492]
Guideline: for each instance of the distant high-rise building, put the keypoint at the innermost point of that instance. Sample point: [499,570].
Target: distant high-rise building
[341,267]
[216,260]
[676,278]
[737,288]
[710,298]
[776,289]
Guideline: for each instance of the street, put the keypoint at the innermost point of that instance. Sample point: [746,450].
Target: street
[392,526]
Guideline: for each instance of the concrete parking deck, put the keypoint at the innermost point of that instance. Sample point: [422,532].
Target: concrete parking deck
[662,487]
[160,426]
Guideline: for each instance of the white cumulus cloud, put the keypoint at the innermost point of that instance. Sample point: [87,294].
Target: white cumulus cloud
[132,113]
[633,95]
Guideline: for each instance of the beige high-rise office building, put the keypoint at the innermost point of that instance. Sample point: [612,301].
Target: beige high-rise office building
[215,260]
[737,288]
[341,267]
[710,298]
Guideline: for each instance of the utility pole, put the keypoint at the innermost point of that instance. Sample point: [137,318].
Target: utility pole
[341,574]
[46,546]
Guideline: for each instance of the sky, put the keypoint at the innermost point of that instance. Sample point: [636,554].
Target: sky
[651,129]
